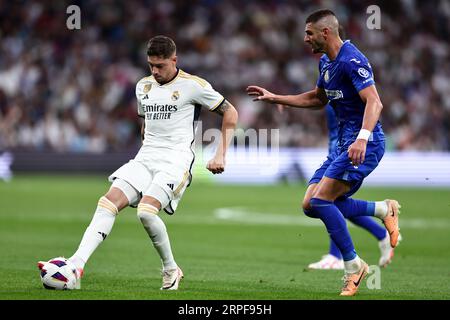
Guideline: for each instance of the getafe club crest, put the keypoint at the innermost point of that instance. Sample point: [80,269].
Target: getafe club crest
[363,73]
[147,87]
[326,76]
[175,95]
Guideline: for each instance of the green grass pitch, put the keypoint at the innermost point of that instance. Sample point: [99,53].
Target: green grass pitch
[232,242]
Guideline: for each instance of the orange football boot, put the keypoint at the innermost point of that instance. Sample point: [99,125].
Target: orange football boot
[391,221]
[353,280]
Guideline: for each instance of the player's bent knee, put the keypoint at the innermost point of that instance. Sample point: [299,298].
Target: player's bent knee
[305,204]
[128,195]
[310,213]
[308,209]
[157,196]
[151,201]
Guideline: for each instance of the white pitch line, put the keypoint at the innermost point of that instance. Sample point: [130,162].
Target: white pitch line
[252,217]
[235,214]
[243,215]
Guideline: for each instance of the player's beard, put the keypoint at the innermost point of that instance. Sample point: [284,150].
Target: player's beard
[317,48]
[159,78]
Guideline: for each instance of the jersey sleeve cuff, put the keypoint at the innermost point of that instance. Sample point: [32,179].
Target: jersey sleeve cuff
[217,105]
[365,85]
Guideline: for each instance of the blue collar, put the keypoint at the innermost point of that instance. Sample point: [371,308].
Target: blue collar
[340,51]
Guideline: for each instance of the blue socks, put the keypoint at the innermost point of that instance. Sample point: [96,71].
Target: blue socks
[334,250]
[336,226]
[354,208]
[358,212]
[370,225]
[367,223]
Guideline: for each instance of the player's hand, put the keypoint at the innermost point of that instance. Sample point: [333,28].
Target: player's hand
[260,94]
[357,151]
[216,165]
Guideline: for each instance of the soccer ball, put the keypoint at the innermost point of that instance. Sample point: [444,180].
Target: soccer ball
[58,274]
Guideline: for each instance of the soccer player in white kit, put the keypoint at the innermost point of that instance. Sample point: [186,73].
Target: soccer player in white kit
[169,101]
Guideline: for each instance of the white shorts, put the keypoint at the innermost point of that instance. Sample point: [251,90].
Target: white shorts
[169,171]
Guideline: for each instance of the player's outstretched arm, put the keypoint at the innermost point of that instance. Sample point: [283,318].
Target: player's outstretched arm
[357,150]
[314,99]
[229,121]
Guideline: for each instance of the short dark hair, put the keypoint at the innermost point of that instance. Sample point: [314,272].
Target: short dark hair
[319,14]
[161,46]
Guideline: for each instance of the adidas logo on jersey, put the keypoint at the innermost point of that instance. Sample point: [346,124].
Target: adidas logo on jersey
[170,185]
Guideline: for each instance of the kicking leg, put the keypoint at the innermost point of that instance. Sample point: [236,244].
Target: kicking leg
[100,226]
[387,211]
[360,213]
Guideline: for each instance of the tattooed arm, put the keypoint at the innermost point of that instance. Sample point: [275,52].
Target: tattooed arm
[229,121]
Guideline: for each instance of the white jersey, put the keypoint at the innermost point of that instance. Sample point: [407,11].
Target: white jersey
[171,109]
[165,159]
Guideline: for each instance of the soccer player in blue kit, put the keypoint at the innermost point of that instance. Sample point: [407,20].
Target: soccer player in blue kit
[333,260]
[346,82]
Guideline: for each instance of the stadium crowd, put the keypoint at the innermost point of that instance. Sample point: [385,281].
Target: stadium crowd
[73,90]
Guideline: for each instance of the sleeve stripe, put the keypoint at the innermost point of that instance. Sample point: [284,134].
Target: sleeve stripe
[199,80]
[217,105]
[365,85]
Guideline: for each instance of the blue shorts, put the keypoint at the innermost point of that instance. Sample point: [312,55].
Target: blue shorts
[338,166]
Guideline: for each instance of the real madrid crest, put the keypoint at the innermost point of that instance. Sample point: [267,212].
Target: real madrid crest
[147,87]
[326,76]
[175,95]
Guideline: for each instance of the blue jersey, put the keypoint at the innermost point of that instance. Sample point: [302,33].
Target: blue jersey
[332,126]
[342,79]
[337,165]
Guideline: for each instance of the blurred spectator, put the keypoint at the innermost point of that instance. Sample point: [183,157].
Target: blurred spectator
[6,160]
[73,90]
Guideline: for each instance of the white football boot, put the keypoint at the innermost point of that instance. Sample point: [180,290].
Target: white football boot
[387,252]
[328,262]
[79,273]
[171,279]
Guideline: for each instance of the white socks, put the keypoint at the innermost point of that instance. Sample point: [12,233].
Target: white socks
[381,209]
[352,266]
[157,232]
[102,223]
[100,226]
